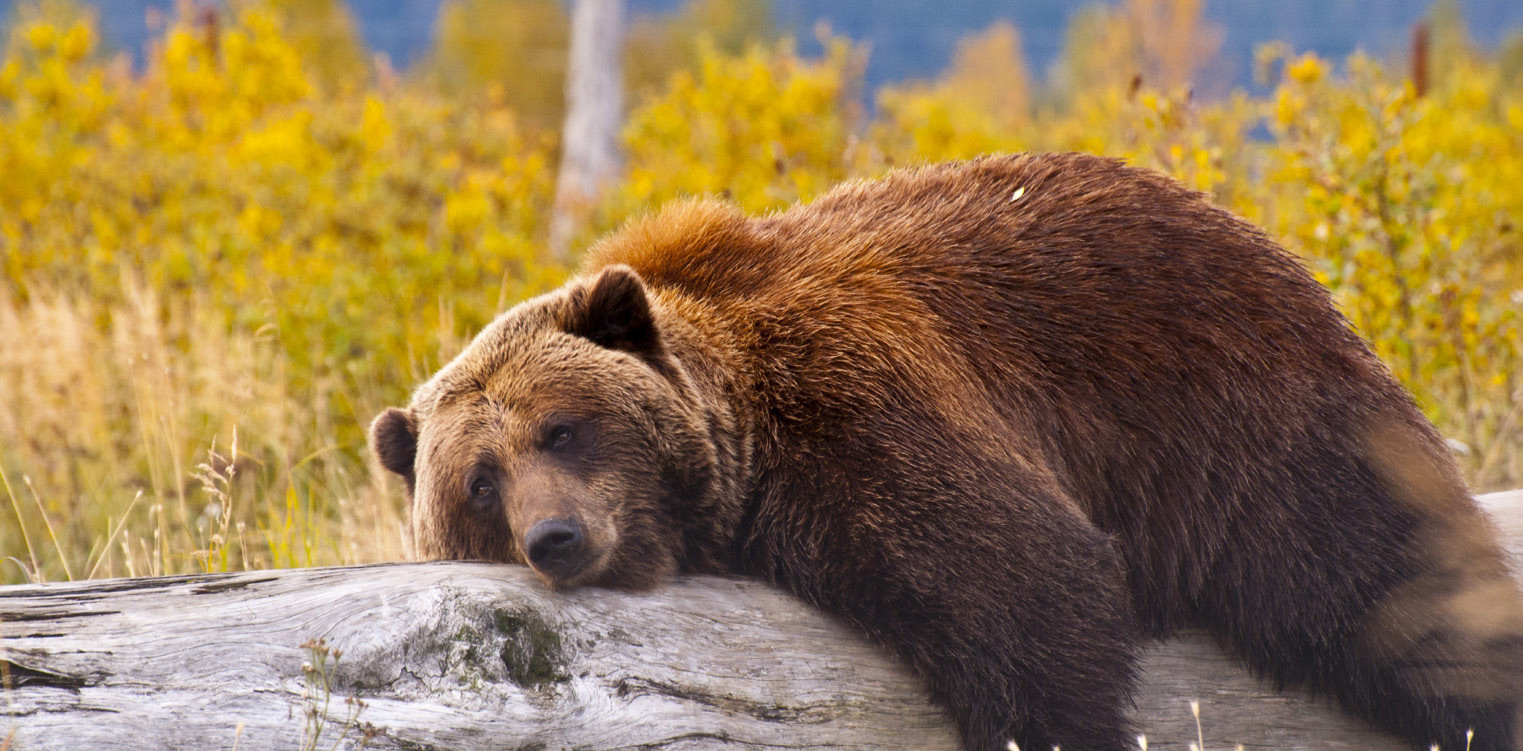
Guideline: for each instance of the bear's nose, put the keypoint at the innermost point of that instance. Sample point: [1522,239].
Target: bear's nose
[554,546]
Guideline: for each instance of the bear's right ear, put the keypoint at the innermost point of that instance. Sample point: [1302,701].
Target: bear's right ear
[394,439]
[614,312]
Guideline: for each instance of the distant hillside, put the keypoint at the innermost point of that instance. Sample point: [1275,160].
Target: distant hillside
[915,38]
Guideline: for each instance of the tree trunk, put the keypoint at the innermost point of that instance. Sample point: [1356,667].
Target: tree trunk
[594,109]
[475,656]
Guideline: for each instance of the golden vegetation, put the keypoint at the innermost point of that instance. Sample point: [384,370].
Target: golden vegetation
[218,267]
[216,245]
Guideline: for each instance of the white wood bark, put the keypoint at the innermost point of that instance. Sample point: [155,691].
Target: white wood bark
[477,656]
[594,109]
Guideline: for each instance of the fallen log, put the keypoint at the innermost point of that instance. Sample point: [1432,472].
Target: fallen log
[474,656]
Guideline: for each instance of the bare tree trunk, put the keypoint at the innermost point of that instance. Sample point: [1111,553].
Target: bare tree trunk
[479,656]
[594,109]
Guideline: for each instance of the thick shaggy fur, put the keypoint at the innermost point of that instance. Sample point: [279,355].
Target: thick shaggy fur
[1007,416]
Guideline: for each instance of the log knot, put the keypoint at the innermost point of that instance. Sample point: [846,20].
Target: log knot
[532,651]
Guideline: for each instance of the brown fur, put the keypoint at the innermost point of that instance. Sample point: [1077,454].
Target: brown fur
[1003,415]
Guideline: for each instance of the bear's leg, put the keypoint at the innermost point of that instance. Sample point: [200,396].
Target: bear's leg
[1015,610]
[1406,614]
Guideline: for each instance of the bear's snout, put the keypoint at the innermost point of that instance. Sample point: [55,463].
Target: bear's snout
[554,547]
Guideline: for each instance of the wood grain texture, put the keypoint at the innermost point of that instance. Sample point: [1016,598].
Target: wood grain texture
[475,656]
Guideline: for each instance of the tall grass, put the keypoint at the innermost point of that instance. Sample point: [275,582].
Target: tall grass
[154,438]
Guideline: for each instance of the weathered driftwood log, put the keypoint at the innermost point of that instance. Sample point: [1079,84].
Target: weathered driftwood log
[465,656]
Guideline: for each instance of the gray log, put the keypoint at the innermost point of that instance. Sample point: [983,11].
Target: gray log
[476,656]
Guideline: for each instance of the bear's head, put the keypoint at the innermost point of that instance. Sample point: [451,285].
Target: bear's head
[566,436]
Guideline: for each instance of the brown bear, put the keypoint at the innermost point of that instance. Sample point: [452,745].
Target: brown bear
[1009,417]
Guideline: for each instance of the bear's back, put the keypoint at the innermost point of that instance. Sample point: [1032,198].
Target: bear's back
[1049,278]
[1178,374]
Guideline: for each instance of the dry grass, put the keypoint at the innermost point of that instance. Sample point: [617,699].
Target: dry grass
[170,441]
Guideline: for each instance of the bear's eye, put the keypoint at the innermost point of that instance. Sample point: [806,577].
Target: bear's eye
[560,435]
[482,488]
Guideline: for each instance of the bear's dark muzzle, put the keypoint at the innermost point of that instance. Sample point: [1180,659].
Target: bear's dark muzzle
[554,547]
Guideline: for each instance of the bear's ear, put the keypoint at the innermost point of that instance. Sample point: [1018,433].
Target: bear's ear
[394,438]
[614,312]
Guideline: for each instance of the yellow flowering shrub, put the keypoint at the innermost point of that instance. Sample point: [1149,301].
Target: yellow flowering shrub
[980,105]
[764,128]
[1406,206]
[334,247]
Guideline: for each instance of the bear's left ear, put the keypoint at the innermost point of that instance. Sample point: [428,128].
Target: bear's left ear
[394,438]
[614,312]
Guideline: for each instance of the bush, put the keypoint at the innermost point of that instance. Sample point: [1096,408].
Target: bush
[214,245]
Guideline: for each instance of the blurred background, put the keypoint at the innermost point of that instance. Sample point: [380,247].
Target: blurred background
[908,38]
[232,232]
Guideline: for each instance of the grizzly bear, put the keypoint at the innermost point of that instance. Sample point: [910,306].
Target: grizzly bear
[1009,417]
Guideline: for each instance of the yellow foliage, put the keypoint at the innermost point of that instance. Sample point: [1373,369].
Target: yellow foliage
[324,35]
[1159,43]
[516,49]
[979,106]
[765,128]
[658,45]
[1406,206]
[215,204]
